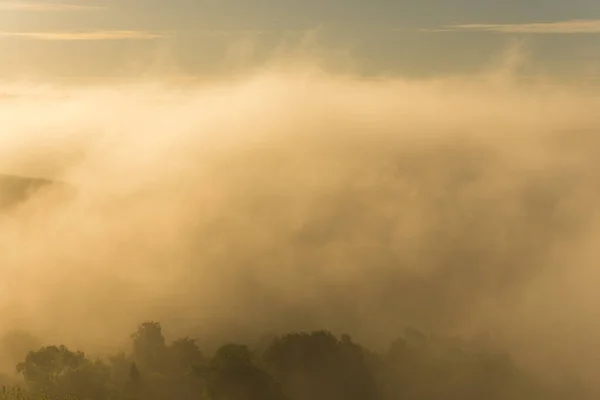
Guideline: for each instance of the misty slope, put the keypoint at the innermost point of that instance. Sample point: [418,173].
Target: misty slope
[15,189]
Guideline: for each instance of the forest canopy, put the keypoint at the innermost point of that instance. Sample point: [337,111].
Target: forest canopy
[314,365]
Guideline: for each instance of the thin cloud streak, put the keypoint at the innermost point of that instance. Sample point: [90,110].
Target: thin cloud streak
[131,34]
[558,27]
[45,7]
[82,36]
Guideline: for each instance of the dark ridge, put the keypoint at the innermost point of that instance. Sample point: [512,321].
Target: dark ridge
[16,189]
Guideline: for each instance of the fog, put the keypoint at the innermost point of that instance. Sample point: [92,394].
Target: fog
[293,198]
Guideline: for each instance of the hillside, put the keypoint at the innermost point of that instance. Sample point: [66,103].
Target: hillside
[15,189]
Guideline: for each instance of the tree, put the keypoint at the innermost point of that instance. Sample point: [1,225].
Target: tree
[149,347]
[233,375]
[185,354]
[186,364]
[57,371]
[318,366]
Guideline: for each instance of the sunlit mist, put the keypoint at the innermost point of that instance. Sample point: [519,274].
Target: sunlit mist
[296,199]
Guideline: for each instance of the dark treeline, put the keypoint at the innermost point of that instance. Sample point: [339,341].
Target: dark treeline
[295,366]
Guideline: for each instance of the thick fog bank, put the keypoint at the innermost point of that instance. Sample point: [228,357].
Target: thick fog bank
[300,200]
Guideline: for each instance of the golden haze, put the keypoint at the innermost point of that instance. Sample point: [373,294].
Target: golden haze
[296,199]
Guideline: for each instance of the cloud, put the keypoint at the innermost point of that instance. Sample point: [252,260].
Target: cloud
[42,7]
[236,32]
[131,34]
[558,27]
[90,35]
[295,200]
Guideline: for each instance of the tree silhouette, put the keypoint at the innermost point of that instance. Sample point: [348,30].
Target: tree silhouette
[57,371]
[298,366]
[233,375]
[184,354]
[149,347]
[319,366]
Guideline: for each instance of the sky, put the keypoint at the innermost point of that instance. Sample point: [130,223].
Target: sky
[109,38]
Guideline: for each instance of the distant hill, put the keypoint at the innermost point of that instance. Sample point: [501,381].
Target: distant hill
[15,189]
